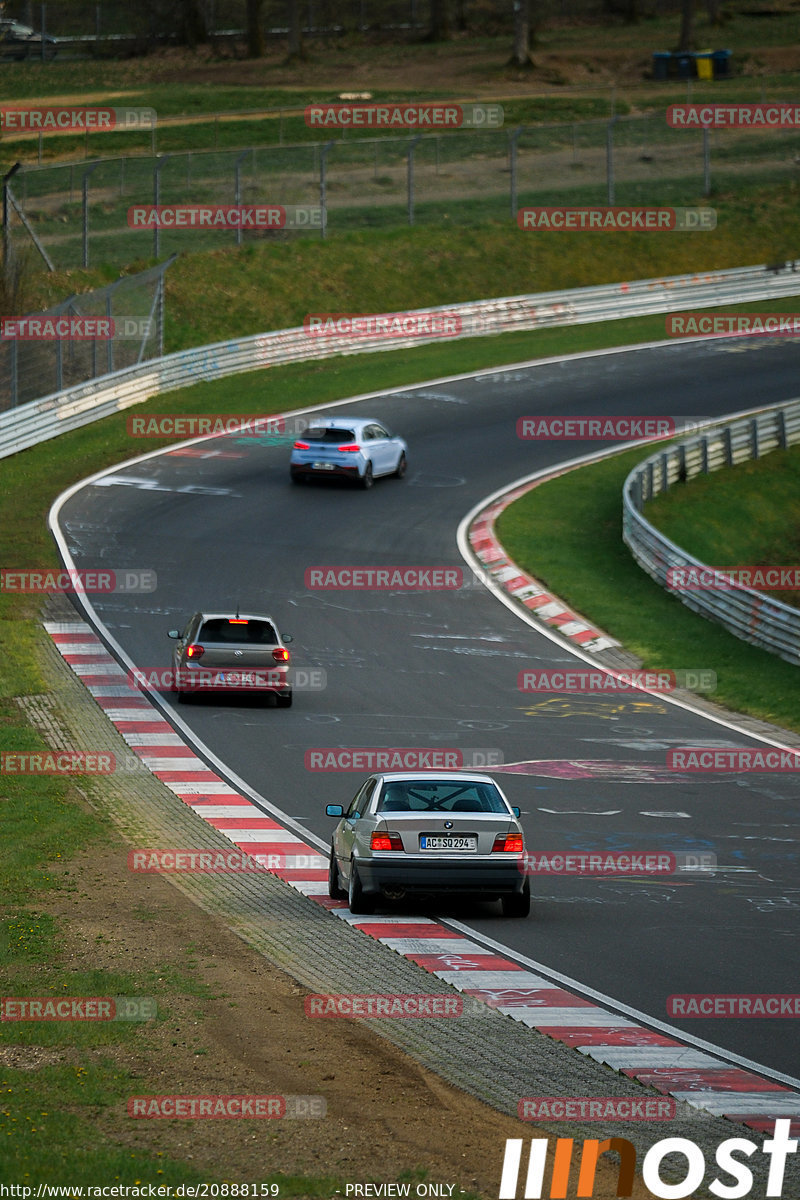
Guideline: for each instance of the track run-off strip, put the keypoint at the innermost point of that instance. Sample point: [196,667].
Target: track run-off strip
[654,1059]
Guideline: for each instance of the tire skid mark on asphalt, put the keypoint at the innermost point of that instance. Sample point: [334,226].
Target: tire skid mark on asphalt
[615,1040]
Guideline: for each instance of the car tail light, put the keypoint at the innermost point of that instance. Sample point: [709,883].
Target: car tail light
[302,446]
[351,449]
[238,621]
[386,841]
[280,654]
[508,843]
[195,651]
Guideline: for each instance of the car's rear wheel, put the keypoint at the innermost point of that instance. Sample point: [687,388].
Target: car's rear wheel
[284,699]
[335,889]
[367,478]
[401,467]
[519,903]
[357,901]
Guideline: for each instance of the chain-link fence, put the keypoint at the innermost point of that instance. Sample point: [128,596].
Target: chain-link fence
[79,212]
[83,337]
[92,20]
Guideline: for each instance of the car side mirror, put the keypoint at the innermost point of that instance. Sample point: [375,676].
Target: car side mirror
[334,810]
[516,811]
[287,637]
[174,633]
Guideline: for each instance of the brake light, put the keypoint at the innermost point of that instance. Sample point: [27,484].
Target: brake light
[238,621]
[280,654]
[508,843]
[386,841]
[195,651]
[302,446]
[353,449]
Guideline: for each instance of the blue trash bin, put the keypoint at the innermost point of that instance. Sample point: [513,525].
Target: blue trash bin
[721,60]
[685,62]
[661,60]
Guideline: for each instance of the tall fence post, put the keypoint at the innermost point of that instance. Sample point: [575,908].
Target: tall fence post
[6,215]
[512,152]
[323,179]
[610,159]
[410,177]
[238,192]
[156,199]
[85,211]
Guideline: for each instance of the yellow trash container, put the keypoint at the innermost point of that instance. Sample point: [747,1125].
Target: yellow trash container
[705,64]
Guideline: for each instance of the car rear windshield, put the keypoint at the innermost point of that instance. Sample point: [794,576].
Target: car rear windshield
[235,630]
[335,437]
[441,796]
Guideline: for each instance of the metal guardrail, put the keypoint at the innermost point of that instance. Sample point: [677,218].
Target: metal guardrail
[60,412]
[744,612]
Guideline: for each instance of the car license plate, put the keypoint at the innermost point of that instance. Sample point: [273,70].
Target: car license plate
[323,466]
[428,841]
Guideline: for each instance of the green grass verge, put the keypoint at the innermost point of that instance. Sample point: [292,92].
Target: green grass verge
[568,533]
[745,515]
[274,284]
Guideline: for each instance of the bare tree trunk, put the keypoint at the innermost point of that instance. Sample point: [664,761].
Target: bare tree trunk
[439,30]
[255,35]
[523,36]
[192,23]
[686,40]
[716,16]
[296,48]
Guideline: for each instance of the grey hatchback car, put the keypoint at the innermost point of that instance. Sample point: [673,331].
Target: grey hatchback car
[445,832]
[220,652]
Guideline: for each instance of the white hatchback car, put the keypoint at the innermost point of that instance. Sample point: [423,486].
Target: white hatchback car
[357,448]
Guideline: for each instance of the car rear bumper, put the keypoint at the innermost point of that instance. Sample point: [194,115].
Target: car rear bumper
[496,878]
[338,470]
[206,681]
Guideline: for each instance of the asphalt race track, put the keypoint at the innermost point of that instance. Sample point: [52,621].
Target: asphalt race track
[222,525]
